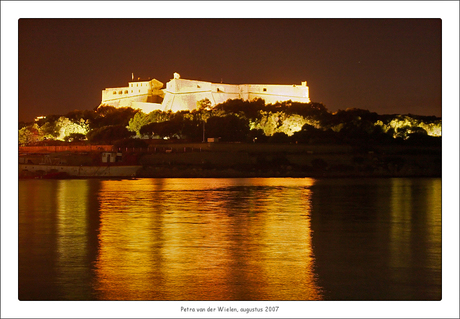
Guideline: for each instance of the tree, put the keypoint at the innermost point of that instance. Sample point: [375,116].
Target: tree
[170,129]
[192,129]
[279,137]
[307,134]
[50,130]
[76,115]
[65,127]
[204,104]
[75,137]
[230,128]
[418,131]
[137,122]
[159,116]
[149,129]
[312,110]
[109,134]
[109,115]
[248,109]
[167,129]
[28,134]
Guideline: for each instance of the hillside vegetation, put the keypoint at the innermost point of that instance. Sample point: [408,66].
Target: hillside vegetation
[234,121]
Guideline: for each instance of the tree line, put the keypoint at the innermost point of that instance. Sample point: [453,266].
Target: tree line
[233,121]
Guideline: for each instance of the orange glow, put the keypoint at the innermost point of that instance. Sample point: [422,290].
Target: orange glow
[204,239]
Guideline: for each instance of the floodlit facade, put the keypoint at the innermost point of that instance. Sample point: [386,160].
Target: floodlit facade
[144,95]
[181,94]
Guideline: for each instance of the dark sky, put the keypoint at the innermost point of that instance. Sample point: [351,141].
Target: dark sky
[384,65]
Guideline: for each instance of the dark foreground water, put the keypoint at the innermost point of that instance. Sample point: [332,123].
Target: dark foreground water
[230,239]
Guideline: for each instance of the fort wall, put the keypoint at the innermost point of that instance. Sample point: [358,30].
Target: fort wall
[183,94]
[136,92]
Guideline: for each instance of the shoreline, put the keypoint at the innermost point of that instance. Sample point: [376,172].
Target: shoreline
[221,160]
[231,173]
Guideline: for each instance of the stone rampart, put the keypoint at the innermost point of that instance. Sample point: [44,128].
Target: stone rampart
[182,94]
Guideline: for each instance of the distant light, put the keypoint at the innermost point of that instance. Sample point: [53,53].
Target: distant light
[38,118]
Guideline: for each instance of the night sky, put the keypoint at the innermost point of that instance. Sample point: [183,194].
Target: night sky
[388,66]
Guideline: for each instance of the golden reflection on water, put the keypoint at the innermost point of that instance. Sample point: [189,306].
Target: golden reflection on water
[400,229]
[434,219]
[415,231]
[205,239]
[72,237]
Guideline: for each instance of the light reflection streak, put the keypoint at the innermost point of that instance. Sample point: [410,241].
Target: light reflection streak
[400,222]
[72,245]
[435,220]
[205,239]
[281,237]
[415,232]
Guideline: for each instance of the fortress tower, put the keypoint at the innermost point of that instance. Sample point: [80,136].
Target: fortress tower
[140,94]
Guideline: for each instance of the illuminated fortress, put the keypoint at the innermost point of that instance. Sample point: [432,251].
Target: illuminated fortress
[181,94]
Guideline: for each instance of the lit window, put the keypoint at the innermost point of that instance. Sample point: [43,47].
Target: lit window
[131,85]
[114,92]
[121,92]
[137,84]
[126,92]
[131,91]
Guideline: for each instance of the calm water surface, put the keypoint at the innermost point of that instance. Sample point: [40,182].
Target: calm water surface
[230,239]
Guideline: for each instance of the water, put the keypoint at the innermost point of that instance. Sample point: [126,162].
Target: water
[230,239]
